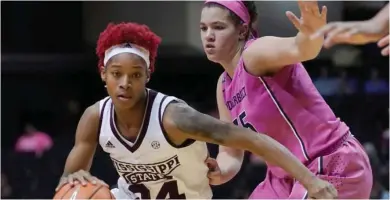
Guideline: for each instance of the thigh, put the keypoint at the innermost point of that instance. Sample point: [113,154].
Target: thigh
[272,188]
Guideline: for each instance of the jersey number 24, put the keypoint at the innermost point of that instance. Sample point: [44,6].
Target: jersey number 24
[169,187]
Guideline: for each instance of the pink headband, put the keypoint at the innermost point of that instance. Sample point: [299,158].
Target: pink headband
[237,7]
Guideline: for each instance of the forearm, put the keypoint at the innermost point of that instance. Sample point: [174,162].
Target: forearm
[180,119]
[276,154]
[229,165]
[80,158]
[306,47]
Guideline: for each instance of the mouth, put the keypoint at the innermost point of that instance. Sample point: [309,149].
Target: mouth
[210,46]
[209,49]
[124,97]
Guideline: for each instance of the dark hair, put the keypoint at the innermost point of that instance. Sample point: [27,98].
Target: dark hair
[120,33]
[250,6]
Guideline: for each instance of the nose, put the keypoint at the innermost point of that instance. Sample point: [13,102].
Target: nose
[125,83]
[210,37]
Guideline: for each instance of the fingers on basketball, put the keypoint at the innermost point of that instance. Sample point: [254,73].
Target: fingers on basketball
[62,182]
[89,191]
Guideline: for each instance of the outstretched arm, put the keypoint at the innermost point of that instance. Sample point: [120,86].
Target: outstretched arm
[270,54]
[181,120]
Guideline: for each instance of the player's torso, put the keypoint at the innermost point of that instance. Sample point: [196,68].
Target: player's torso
[284,107]
[152,166]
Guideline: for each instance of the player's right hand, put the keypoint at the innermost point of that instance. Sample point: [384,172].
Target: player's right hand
[80,176]
[320,189]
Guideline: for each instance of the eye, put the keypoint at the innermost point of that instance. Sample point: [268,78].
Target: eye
[137,75]
[219,27]
[203,28]
[115,74]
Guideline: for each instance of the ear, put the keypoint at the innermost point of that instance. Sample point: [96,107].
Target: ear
[103,74]
[243,31]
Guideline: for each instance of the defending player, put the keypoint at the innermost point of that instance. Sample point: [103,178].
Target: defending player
[266,89]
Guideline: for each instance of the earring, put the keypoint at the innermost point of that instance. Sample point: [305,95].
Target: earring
[105,86]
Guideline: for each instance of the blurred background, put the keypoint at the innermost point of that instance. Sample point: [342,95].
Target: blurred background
[49,76]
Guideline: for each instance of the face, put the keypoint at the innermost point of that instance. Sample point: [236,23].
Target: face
[220,36]
[126,76]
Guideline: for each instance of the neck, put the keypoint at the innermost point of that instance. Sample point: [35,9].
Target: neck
[132,117]
[230,65]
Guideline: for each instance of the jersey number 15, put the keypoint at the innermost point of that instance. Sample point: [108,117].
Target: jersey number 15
[241,117]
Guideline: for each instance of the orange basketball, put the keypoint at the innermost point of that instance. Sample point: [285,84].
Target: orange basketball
[88,191]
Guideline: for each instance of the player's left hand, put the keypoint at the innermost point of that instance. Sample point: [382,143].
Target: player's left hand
[311,18]
[384,44]
[320,189]
[214,173]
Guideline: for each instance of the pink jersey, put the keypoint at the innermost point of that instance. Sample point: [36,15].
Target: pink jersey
[286,107]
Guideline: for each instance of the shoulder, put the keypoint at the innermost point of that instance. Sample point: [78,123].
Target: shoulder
[260,43]
[269,54]
[93,110]
[256,48]
[252,55]
[88,126]
[178,114]
[91,116]
[176,108]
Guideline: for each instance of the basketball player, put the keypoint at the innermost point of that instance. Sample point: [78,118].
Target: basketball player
[157,142]
[266,89]
[375,29]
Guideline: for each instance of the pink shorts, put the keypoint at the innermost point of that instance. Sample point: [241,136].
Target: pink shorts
[348,169]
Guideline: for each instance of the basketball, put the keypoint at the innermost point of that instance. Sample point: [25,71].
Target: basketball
[88,191]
